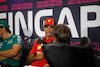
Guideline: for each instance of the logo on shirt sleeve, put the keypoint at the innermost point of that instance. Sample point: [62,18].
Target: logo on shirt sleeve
[19,40]
[10,41]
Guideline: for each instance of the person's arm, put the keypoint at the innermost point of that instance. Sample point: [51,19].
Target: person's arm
[3,58]
[16,57]
[31,57]
[11,52]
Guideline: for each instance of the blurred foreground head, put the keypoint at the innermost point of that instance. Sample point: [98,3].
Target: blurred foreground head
[62,34]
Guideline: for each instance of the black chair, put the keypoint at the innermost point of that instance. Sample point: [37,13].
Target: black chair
[65,55]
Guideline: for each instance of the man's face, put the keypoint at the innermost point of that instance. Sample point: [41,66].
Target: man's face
[48,31]
[1,32]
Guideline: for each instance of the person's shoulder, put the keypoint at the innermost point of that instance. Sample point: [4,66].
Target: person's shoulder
[16,36]
[37,39]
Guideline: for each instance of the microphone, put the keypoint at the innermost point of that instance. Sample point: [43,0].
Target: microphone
[42,42]
[97,54]
[27,41]
[39,41]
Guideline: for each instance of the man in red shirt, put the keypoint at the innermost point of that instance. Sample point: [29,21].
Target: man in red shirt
[36,55]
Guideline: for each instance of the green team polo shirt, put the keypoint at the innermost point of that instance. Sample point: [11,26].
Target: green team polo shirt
[7,44]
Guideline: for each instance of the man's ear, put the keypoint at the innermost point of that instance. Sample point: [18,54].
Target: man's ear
[44,28]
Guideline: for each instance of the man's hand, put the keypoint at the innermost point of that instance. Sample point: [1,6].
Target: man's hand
[46,65]
[17,57]
[40,56]
[31,57]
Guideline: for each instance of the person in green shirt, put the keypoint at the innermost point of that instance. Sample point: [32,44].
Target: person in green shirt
[10,46]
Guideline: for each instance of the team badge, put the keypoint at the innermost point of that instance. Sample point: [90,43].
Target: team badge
[39,47]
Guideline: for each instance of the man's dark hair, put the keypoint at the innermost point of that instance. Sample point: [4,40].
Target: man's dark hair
[1,26]
[62,34]
[7,29]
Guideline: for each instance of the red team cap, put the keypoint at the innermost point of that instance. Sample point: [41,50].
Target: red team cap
[50,21]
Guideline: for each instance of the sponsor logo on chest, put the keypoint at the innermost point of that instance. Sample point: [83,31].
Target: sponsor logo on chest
[10,41]
[39,50]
